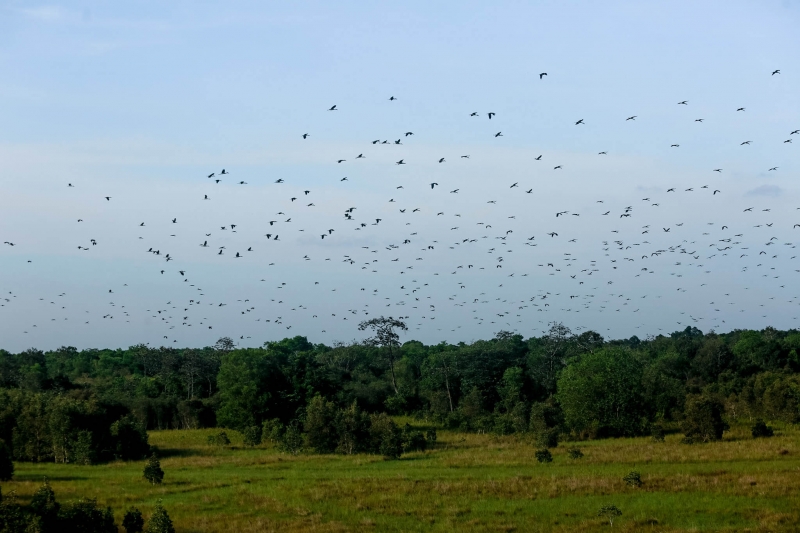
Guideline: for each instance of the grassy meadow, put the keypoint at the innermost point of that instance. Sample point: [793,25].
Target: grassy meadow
[466,482]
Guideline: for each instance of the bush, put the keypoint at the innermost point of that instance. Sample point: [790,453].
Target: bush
[45,508]
[544,456]
[761,429]
[547,438]
[703,419]
[6,464]
[430,436]
[575,453]
[292,440]
[352,428]
[657,433]
[385,437]
[159,522]
[220,439]
[12,515]
[320,427]
[251,436]
[633,479]
[272,430]
[133,521]
[152,470]
[129,439]
[413,441]
[85,517]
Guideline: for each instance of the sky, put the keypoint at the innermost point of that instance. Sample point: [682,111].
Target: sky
[140,102]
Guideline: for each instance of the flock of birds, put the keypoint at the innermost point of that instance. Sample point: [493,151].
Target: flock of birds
[476,267]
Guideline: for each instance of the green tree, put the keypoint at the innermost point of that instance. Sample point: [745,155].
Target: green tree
[242,398]
[160,521]
[129,439]
[352,428]
[601,393]
[703,418]
[385,336]
[320,425]
[45,508]
[133,522]
[152,471]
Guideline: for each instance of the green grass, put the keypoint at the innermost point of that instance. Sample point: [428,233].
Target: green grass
[466,483]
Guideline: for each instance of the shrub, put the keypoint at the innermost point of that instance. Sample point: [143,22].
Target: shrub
[159,521]
[45,508]
[657,433]
[430,436]
[761,429]
[133,521]
[273,430]
[12,515]
[703,419]
[352,427]
[385,437]
[633,479]
[292,440]
[575,453]
[220,439]
[152,470]
[86,517]
[6,464]
[251,436]
[129,439]
[413,441]
[547,438]
[609,512]
[544,456]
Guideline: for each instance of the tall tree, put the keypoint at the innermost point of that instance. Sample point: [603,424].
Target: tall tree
[385,336]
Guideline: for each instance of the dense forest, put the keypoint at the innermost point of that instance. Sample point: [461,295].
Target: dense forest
[88,406]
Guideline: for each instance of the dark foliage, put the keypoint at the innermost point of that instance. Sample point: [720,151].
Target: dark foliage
[544,456]
[6,464]
[703,420]
[88,406]
[761,429]
[152,471]
[133,522]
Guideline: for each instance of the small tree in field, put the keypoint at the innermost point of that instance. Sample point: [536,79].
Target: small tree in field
[703,419]
[133,521]
[159,522]
[152,470]
[609,512]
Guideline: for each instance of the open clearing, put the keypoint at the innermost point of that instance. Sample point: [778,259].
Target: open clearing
[467,482]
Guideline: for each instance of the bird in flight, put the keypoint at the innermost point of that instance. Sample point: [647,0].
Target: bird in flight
[542,75]
[333,108]
[776,72]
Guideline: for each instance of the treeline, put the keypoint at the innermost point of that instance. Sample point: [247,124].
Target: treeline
[561,382]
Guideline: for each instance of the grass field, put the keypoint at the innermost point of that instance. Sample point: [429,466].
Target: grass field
[466,482]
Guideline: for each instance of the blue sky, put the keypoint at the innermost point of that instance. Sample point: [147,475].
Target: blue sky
[141,101]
